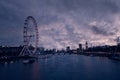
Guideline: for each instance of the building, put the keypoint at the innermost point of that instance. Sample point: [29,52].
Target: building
[68,49]
[86,45]
[80,47]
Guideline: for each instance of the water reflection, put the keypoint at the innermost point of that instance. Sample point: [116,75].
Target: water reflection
[63,67]
[36,70]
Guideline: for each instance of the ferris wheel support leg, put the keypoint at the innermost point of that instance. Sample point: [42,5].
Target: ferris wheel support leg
[21,53]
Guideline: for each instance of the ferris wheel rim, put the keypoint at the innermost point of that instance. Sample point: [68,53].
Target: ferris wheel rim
[26,42]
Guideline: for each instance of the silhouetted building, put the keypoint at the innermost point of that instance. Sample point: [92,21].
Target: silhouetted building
[79,50]
[118,44]
[68,49]
[54,51]
[80,47]
[118,41]
[10,51]
[86,45]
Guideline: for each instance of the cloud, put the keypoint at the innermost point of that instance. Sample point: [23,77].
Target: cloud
[60,22]
[98,30]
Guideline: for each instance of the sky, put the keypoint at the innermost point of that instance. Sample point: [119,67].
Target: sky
[61,23]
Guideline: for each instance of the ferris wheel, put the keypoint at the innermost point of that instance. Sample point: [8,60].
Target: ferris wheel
[30,36]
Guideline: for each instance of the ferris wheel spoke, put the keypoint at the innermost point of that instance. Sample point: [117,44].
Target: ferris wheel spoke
[27,36]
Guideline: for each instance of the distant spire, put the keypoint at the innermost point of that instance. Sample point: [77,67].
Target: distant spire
[86,45]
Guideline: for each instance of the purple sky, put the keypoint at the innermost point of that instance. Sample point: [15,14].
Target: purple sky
[61,23]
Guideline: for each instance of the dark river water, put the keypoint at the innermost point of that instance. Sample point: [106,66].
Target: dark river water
[63,67]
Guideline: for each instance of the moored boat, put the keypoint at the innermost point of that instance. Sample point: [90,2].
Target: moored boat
[27,61]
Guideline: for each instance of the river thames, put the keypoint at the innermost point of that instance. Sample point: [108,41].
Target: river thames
[63,67]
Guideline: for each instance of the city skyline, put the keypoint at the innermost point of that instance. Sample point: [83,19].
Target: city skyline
[61,23]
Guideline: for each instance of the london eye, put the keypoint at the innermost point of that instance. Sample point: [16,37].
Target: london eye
[30,36]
